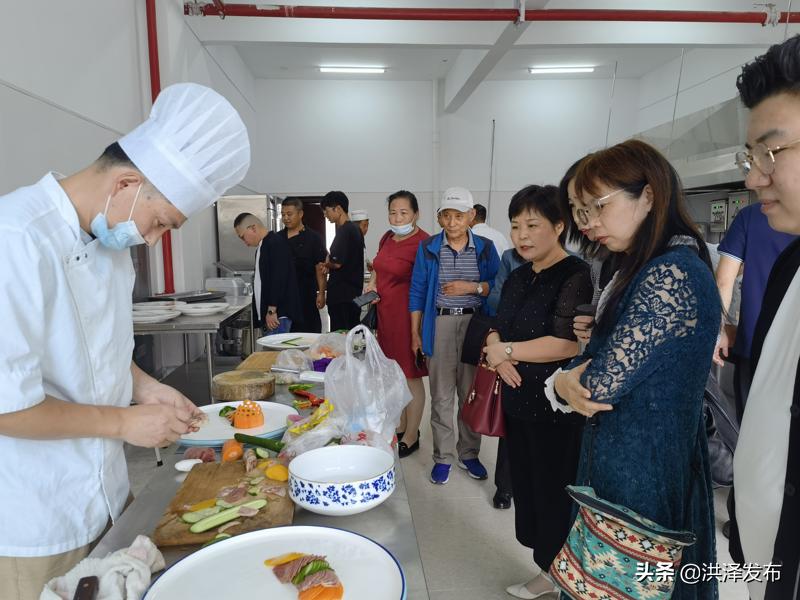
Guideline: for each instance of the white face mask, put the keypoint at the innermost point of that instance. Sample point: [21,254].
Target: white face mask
[402,229]
[123,235]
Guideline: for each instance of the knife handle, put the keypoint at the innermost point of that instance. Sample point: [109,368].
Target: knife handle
[87,588]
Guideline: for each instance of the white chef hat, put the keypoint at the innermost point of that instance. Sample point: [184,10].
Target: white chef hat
[359,215]
[193,147]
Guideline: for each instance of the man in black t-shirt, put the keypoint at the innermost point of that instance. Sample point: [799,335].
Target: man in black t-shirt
[308,252]
[345,263]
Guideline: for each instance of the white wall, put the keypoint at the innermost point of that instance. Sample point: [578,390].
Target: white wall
[369,139]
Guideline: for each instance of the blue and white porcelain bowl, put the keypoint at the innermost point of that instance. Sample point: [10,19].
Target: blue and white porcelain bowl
[341,480]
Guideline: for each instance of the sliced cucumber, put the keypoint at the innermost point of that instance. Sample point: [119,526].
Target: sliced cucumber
[199,515]
[217,538]
[253,491]
[264,453]
[225,516]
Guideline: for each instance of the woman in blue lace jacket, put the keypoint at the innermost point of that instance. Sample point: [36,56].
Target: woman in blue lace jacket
[644,370]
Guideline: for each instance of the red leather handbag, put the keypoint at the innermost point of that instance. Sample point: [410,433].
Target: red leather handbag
[483,410]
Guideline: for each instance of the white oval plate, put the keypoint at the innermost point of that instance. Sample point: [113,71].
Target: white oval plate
[155,316]
[365,568]
[202,309]
[158,305]
[276,342]
[218,429]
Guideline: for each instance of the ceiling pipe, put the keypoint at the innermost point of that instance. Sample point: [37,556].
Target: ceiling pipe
[487,14]
[155,90]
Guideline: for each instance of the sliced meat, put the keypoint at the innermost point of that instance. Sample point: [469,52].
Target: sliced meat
[209,455]
[234,495]
[325,578]
[195,452]
[250,460]
[247,511]
[228,526]
[275,490]
[286,572]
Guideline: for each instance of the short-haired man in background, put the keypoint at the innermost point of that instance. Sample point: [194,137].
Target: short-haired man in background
[308,251]
[479,226]
[275,294]
[345,263]
[361,218]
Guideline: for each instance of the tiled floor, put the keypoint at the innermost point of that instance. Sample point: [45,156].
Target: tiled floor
[468,548]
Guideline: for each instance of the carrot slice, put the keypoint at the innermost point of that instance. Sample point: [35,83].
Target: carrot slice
[283,559]
[321,592]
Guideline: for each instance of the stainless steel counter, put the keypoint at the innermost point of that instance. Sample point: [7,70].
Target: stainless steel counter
[390,524]
[204,325]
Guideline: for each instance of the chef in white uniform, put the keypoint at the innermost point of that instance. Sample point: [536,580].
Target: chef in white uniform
[70,394]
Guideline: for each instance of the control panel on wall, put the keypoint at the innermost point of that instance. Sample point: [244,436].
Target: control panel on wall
[736,202]
[719,216]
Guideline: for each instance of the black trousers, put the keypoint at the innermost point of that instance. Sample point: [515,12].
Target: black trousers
[741,388]
[311,318]
[344,315]
[544,460]
[502,468]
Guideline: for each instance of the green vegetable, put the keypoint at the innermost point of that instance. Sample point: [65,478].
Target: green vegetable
[226,410]
[315,566]
[217,538]
[225,516]
[273,445]
[253,491]
[199,515]
[300,387]
[263,452]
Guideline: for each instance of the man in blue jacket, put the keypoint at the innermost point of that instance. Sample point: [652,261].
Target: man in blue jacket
[453,274]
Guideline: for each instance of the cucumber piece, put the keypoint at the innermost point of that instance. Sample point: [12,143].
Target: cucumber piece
[253,491]
[199,515]
[313,567]
[256,480]
[264,453]
[225,516]
[274,445]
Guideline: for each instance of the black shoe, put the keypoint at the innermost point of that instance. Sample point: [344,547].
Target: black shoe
[726,529]
[399,435]
[502,500]
[404,449]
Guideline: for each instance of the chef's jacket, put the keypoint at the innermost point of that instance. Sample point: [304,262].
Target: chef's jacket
[67,331]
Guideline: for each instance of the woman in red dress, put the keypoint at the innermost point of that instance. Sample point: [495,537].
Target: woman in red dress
[391,278]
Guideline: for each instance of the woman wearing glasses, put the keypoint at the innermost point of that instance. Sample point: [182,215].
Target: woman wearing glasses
[642,376]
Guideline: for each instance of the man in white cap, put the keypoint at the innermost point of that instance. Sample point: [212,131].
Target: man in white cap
[361,218]
[67,381]
[453,273]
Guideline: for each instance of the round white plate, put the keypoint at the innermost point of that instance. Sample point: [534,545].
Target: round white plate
[365,568]
[154,316]
[218,429]
[158,305]
[186,464]
[276,342]
[202,309]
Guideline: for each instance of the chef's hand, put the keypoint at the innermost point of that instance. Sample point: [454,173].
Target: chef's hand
[154,425]
[320,300]
[582,326]
[508,373]
[158,393]
[568,386]
[272,321]
[460,288]
[496,354]
[323,268]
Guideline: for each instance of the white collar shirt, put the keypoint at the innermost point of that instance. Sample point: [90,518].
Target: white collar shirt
[68,333]
[501,243]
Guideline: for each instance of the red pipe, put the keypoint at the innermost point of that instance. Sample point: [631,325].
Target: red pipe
[486,14]
[155,89]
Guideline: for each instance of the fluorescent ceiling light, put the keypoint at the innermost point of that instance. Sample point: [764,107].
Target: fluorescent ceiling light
[552,70]
[372,70]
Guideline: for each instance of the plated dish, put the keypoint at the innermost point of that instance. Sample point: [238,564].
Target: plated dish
[218,429]
[288,341]
[202,309]
[154,316]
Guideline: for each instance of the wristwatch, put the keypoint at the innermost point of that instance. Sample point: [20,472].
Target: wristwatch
[509,350]
[271,312]
[480,289]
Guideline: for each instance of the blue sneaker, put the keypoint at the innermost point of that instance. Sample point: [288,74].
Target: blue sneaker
[440,473]
[474,468]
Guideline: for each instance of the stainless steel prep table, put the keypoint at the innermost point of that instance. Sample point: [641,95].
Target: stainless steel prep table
[206,325]
[390,524]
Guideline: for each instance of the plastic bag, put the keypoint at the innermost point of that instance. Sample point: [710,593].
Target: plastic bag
[328,345]
[369,393]
[291,359]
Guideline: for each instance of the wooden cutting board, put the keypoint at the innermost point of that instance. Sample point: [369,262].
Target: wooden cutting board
[202,483]
[258,361]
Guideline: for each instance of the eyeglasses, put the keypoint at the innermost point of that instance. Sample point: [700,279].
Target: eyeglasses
[583,216]
[762,156]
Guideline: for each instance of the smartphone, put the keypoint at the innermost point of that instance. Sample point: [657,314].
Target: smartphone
[420,360]
[365,299]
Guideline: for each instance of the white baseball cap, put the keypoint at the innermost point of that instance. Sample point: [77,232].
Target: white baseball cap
[193,147]
[457,198]
[359,215]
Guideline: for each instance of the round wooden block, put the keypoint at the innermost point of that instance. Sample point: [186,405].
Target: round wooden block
[242,385]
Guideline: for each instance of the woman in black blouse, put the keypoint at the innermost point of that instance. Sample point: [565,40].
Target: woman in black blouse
[534,338]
